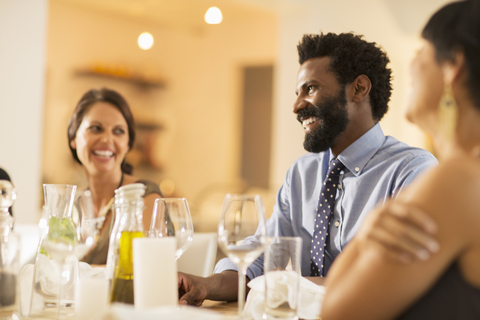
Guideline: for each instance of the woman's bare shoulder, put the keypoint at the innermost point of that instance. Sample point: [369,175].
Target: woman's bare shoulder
[450,191]
[457,175]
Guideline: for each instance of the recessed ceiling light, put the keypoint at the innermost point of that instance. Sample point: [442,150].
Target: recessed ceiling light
[145,41]
[213,16]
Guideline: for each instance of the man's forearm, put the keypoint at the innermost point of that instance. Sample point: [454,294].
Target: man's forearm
[223,286]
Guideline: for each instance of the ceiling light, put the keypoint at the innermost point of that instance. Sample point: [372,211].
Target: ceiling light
[145,41]
[213,16]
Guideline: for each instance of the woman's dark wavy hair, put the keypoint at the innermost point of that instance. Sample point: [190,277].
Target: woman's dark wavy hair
[101,95]
[456,28]
[350,56]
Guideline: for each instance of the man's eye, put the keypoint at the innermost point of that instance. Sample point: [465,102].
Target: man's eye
[310,88]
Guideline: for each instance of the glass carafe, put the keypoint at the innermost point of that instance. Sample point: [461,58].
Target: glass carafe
[56,269]
[9,255]
[128,225]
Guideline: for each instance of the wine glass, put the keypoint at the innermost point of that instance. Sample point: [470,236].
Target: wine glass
[241,235]
[71,234]
[171,218]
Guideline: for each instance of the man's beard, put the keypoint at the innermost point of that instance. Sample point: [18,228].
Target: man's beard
[332,115]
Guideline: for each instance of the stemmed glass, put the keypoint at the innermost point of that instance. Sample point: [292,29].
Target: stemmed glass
[171,218]
[241,235]
[71,234]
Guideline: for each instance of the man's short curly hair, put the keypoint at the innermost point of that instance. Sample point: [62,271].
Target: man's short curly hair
[352,56]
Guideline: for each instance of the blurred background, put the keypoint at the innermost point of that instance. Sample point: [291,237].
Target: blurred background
[212,102]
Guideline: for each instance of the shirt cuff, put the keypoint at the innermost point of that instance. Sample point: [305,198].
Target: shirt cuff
[226,264]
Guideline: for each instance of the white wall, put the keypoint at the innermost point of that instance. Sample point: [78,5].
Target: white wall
[22,64]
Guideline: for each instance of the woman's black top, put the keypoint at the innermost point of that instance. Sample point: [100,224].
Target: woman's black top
[452,297]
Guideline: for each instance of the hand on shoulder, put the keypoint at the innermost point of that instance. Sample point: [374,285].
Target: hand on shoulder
[402,232]
[405,229]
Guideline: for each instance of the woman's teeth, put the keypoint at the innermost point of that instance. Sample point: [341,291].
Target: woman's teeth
[103,153]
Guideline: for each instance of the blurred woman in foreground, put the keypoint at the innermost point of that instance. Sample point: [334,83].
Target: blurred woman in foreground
[100,133]
[364,283]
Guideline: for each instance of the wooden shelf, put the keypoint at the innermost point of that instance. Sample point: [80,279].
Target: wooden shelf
[137,80]
[148,126]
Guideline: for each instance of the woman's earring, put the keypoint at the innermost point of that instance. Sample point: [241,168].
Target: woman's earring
[448,113]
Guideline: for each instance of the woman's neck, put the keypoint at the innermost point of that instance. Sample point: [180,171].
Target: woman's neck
[468,127]
[467,133]
[103,187]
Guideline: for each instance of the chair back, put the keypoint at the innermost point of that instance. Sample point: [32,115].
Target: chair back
[199,259]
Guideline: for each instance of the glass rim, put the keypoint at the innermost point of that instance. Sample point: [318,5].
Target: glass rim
[169,199]
[60,184]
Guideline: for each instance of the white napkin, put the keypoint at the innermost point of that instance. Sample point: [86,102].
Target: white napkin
[120,311]
[49,280]
[309,299]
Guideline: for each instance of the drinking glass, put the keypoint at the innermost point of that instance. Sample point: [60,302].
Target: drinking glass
[171,218]
[282,273]
[241,235]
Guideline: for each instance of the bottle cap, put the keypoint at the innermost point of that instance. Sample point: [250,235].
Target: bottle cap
[130,192]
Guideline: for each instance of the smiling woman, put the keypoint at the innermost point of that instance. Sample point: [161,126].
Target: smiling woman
[100,134]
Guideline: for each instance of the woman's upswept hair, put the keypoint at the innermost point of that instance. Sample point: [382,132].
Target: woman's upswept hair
[456,28]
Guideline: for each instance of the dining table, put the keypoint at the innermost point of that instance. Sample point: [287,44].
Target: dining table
[228,311]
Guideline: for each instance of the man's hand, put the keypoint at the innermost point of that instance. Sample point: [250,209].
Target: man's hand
[406,232]
[194,290]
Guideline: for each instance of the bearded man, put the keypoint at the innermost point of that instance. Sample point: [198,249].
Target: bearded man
[343,89]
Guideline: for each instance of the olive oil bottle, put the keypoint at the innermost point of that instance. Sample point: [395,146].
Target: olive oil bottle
[122,286]
[128,226]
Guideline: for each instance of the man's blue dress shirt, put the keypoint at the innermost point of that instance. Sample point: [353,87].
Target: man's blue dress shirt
[377,167]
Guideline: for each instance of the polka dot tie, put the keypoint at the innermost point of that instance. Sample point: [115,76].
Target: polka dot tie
[325,207]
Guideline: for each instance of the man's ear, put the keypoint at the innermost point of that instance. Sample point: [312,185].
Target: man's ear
[73,144]
[360,88]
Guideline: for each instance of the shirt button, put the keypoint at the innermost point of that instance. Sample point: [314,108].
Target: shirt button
[357,169]
[337,223]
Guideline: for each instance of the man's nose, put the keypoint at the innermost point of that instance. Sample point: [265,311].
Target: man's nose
[299,104]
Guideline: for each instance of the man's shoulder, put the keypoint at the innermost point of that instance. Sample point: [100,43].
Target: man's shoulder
[396,149]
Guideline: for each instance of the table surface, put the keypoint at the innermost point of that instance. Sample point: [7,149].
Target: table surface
[227,309]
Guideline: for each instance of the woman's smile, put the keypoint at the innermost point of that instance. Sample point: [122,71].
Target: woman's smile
[102,138]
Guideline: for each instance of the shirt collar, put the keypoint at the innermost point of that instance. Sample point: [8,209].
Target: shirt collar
[356,155]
